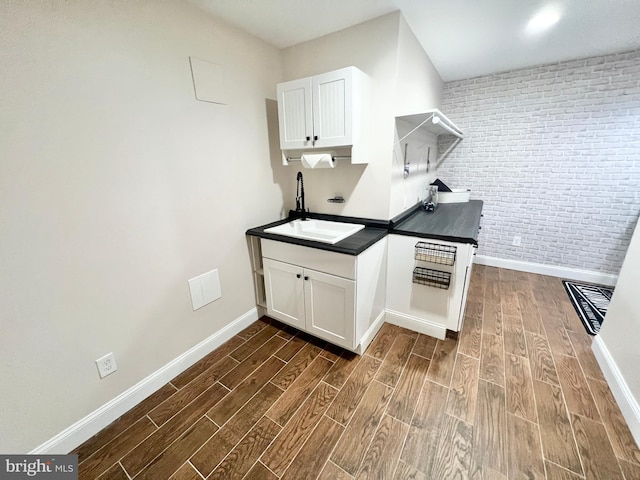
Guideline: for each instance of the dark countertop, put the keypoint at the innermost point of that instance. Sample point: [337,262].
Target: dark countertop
[452,222]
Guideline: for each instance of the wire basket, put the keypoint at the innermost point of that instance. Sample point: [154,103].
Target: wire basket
[436,253]
[431,278]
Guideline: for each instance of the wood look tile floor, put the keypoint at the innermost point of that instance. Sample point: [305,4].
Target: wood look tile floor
[518,395]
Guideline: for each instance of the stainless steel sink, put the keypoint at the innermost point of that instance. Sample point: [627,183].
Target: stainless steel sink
[317,230]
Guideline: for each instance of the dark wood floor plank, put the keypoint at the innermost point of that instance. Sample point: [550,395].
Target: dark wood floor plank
[492,359]
[525,452]
[173,458]
[582,347]
[207,362]
[193,389]
[394,362]
[352,447]
[520,398]
[622,441]
[314,453]
[254,343]
[224,410]
[630,470]
[596,452]
[382,342]
[424,430]
[464,388]
[114,473]
[186,472]
[296,366]
[441,367]
[332,472]
[104,458]
[514,342]
[160,440]
[252,329]
[424,346]
[407,472]
[540,359]
[292,347]
[529,310]
[260,472]
[342,368]
[240,371]
[384,450]
[114,429]
[556,472]
[285,447]
[556,333]
[406,395]
[575,388]
[490,427]
[470,342]
[298,391]
[218,446]
[349,397]
[240,460]
[492,311]
[558,443]
[454,451]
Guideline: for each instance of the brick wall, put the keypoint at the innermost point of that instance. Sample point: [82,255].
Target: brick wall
[554,152]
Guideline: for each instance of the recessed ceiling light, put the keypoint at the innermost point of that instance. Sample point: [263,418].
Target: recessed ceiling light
[543,20]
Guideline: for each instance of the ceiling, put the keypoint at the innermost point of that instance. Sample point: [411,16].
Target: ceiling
[463,38]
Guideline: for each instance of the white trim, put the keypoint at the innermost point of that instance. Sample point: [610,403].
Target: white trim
[416,324]
[626,401]
[370,333]
[551,270]
[88,426]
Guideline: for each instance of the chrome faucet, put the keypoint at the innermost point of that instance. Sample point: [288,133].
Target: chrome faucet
[300,196]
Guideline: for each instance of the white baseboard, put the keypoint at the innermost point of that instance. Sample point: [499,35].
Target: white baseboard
[551,270]
[626,401]
[370,333]
[416,324]
[88,426]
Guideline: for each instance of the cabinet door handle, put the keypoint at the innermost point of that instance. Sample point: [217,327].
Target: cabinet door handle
[306,278]
[308,138]
[298,275]
[315,138]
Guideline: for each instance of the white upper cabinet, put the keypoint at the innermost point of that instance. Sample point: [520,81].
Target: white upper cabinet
[323,111]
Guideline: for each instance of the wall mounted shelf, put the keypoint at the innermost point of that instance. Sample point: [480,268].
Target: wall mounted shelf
[432,121]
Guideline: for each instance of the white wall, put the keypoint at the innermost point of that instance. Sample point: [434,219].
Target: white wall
[419,89]
[116,187]
[553,152]
[619,335]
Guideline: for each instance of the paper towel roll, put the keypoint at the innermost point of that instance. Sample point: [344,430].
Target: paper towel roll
[317,160]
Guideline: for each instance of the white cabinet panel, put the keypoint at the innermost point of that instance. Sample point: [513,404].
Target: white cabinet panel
[330,307]
[331,114]
[285,292]
[295,112]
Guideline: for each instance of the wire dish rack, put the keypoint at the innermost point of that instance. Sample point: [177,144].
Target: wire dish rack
[431,278]
[435,253]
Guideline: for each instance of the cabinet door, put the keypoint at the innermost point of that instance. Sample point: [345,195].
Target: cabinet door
[330,307]
[285,292]
[295,114]
[332,108]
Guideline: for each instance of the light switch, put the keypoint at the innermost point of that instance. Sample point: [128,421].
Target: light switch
[205,289]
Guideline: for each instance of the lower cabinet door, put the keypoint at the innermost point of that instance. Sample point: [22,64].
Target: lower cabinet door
[284,289]
[330,307]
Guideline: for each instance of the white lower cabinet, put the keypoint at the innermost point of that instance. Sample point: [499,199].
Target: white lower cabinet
[339,298]
[316,302]
[427,284]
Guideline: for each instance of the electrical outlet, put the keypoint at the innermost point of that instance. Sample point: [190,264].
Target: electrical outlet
[106,365]
[517,241]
